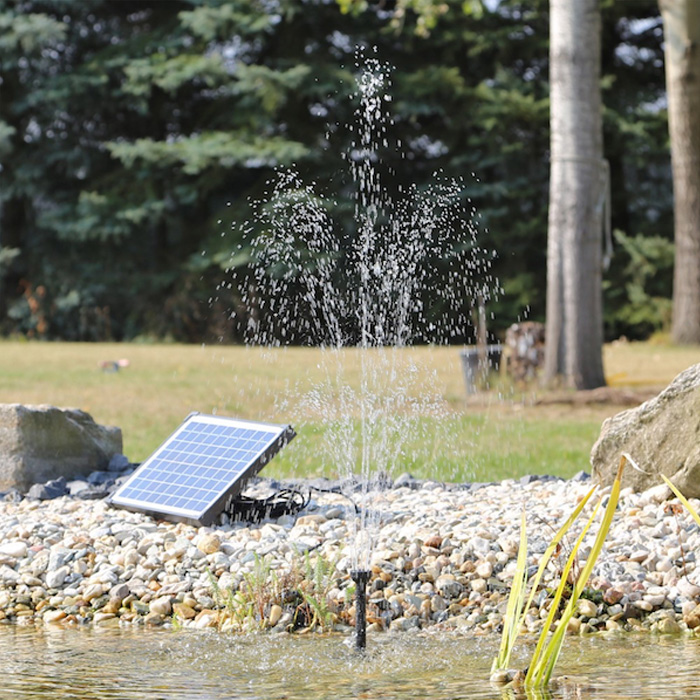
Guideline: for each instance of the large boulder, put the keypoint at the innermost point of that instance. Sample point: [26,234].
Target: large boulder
[39,443]
[662,436]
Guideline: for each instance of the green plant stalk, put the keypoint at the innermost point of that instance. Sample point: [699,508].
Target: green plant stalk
[553,545]
[536,667]
[511,621]
[515,612]
[321,616]
[553,649]
[320,575]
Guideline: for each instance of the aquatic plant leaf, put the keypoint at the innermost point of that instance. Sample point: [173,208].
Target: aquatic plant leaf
[512,618]
[515,615]
[551,653]
[538,663]
[553,545]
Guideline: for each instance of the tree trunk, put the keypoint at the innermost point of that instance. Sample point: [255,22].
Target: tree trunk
[682,52]
[574,334]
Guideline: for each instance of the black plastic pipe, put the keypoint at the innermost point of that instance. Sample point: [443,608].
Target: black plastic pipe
[360,577]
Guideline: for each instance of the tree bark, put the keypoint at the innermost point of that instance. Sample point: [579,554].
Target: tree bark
[682,53]
[574,334]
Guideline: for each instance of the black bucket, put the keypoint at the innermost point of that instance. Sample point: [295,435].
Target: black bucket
[477,363]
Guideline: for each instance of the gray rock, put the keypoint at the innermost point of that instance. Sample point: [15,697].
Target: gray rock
[59,556]
[98,478]
[92,493]
[661,436]
[76,486]
[448,587]
[51,489]
[581,476]
[118,463]
[40,443]
[55,579]
[406,480]
[12,495]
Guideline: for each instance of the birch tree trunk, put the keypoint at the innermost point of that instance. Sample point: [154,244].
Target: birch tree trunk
[574,334]
[682,52]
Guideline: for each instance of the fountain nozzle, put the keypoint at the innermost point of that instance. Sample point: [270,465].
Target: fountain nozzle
[360,577]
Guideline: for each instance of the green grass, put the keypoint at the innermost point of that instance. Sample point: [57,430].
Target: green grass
[164,383]
[457,448]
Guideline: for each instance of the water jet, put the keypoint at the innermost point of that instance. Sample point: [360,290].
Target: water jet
[410,271]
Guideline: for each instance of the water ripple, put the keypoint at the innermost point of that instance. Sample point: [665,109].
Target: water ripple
[127,664]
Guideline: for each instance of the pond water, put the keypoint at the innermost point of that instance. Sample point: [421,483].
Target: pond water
[166,665]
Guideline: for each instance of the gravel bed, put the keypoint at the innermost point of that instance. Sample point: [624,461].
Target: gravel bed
[443,557]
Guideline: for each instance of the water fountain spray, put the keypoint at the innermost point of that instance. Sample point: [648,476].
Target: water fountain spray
[405,273]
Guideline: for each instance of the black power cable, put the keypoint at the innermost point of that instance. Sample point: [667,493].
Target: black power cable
[284,502]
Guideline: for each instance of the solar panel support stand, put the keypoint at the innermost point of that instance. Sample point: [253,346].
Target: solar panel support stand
[360,577]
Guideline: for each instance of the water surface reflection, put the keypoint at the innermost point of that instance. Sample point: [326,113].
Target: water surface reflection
[165,665]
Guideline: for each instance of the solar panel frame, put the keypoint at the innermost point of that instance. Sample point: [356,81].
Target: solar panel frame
[170,484]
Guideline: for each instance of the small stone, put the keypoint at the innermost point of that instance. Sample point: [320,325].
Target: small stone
[120,591]
[102,617]
[664,564]
[314,519]
[687,607]
[667,625]
[468,567]
[639,555]
[434,542]
[656,601]
[484,569]
[437,604]
[615,611]
[501,677]
[687,589]
[275,615]
[52,616]
[184,611]
[138,607]
[406,480]
[587,608]
[94,590]
[692,618]
[161,606]
[55,579]
[209,544]
[153,619]
[657,494]
[16,550]
[205,619]
[448,587]
[478,585]
[112,606]
[612,596]
[574,626]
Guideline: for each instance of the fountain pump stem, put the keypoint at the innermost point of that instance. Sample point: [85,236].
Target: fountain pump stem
[360,577]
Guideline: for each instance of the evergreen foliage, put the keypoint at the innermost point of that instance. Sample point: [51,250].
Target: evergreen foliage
[133,133]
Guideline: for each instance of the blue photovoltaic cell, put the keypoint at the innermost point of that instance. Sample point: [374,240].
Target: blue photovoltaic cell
[202,463]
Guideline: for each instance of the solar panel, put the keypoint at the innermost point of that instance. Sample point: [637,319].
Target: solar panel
[200,467]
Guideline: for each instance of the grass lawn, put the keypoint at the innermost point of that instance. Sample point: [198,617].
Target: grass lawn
[446,437]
